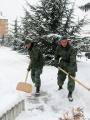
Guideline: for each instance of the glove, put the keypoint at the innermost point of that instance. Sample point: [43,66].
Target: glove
[56,64]
[63,64]
[28,69]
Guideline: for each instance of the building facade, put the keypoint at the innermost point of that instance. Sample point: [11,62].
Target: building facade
[3,27]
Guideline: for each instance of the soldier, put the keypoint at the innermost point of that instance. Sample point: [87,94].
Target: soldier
[36,63]
[65,57]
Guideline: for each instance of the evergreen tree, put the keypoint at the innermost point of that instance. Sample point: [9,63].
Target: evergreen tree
[50,17]
[17,36]
[15,31]
[85,7]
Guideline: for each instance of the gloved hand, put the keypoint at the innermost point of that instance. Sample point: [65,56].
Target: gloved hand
[56,64]
[63,64]
[28,69]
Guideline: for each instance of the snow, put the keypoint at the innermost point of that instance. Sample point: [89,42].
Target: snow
[54,35]
[11,72]
[9,98]
[52,104]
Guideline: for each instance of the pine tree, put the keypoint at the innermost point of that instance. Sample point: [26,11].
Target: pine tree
[85,7]
[50,17]
[17,36]
[15,30]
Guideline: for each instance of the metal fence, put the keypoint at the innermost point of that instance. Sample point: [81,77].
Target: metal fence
[12,113]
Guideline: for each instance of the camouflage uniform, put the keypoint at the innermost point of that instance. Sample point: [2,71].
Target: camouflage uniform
[66,59]
[36,65]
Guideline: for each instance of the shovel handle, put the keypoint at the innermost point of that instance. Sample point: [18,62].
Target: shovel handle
[74,79]
[26,76]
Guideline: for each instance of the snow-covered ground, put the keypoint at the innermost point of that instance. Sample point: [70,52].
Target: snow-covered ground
[52,104]
[12,70]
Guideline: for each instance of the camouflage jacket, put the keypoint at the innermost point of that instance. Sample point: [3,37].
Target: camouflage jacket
[66,58]
[36,58]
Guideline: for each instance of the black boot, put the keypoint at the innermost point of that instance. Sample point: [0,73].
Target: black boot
[60,87]
[37,91]
[70,96]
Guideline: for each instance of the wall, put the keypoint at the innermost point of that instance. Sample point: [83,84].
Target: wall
[3,28]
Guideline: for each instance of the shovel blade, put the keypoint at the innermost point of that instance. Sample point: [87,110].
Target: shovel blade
[24,87]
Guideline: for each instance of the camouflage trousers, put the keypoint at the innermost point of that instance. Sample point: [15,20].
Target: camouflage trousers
[61,78]
[35,76]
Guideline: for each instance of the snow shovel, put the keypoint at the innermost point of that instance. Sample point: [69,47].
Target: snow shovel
[23,86]
[74,79]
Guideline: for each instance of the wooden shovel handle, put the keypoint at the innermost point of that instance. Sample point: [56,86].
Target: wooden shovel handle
[26,76]
[74,79]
